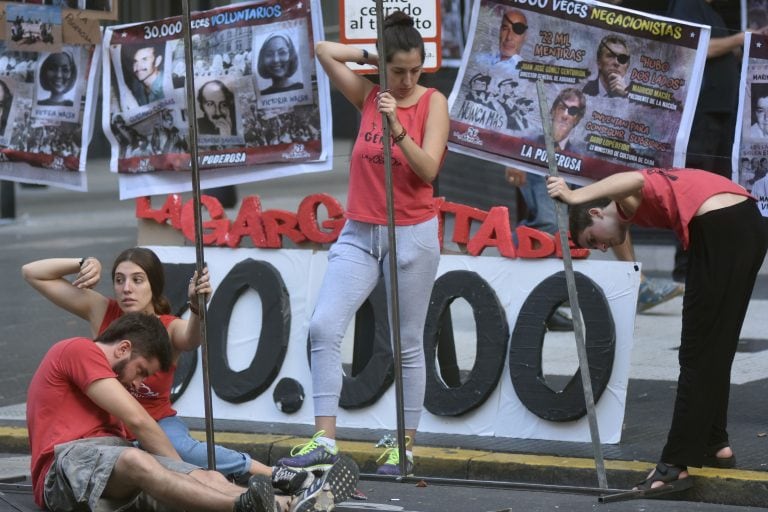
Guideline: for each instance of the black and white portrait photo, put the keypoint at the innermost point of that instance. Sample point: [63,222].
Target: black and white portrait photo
[57,76]
[278,63]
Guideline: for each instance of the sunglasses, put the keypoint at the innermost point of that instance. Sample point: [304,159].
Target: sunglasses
[621,58]
[571,110]
[518,27]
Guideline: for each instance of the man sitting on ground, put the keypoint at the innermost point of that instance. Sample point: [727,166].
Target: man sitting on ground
[78,408]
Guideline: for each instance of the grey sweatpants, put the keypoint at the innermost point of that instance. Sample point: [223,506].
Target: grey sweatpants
[355,263]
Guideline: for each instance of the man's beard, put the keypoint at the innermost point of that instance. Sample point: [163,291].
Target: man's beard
[119,369]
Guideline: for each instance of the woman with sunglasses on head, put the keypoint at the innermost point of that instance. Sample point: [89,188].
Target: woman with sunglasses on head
[138,281]
[612,66]
[418,121]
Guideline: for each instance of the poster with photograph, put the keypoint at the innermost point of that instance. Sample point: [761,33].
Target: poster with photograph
[48,104]
[33,28]
[750,148]
[92,9]
[455,25]
[754,14]
[621,87]
[261,111]
[101,9]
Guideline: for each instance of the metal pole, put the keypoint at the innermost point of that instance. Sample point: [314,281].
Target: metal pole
[7,199]
[497,484]
[199,256]
[578,321]
[393,291]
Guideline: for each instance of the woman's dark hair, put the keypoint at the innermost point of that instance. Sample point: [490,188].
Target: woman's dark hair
[293,57]
[151,265]
[579,218]
[401,36]
[45,83]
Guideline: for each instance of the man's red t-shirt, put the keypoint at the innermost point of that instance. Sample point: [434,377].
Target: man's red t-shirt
[154,394]
[58,409]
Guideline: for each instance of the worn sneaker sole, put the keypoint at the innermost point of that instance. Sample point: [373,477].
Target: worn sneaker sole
[261,494]
[338,484]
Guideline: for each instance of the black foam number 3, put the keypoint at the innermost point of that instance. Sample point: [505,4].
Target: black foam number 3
[525,349]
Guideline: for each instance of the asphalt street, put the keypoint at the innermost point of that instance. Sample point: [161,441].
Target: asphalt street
[409,496]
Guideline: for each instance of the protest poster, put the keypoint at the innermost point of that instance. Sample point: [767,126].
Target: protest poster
[261,110]
[750,148]
[357,27]
[754,14]
[86,9]
[621,86]
[33,28]
[455,24]
[47,104]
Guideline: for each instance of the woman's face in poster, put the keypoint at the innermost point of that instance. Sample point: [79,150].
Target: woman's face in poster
[277,57]
[58,73]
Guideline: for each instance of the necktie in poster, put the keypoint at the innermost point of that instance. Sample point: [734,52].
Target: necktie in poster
[750,149]
[261,110]
[621,86]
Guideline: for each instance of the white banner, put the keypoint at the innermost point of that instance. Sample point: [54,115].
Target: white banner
[501,413]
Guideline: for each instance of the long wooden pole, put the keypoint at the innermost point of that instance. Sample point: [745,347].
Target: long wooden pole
[199,256]
[570,279]
[393,287]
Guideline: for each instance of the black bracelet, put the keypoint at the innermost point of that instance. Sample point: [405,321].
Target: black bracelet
[365,58]
[399,138]
[83,260]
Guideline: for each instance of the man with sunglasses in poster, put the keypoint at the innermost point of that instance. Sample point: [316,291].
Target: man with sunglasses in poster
[567,111]
[612,66]
[512,33]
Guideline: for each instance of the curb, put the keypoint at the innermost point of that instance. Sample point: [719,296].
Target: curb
[718,486]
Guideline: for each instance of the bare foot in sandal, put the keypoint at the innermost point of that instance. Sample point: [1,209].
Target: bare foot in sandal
[724,453]
[665,478]
[719,456]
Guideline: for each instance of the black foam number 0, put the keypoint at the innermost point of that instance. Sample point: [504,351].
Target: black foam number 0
[492,333]
[245,385]
[525,350]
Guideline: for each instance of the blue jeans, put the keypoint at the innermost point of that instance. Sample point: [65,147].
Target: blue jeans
[355,263]
[541,207]
[229,462]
